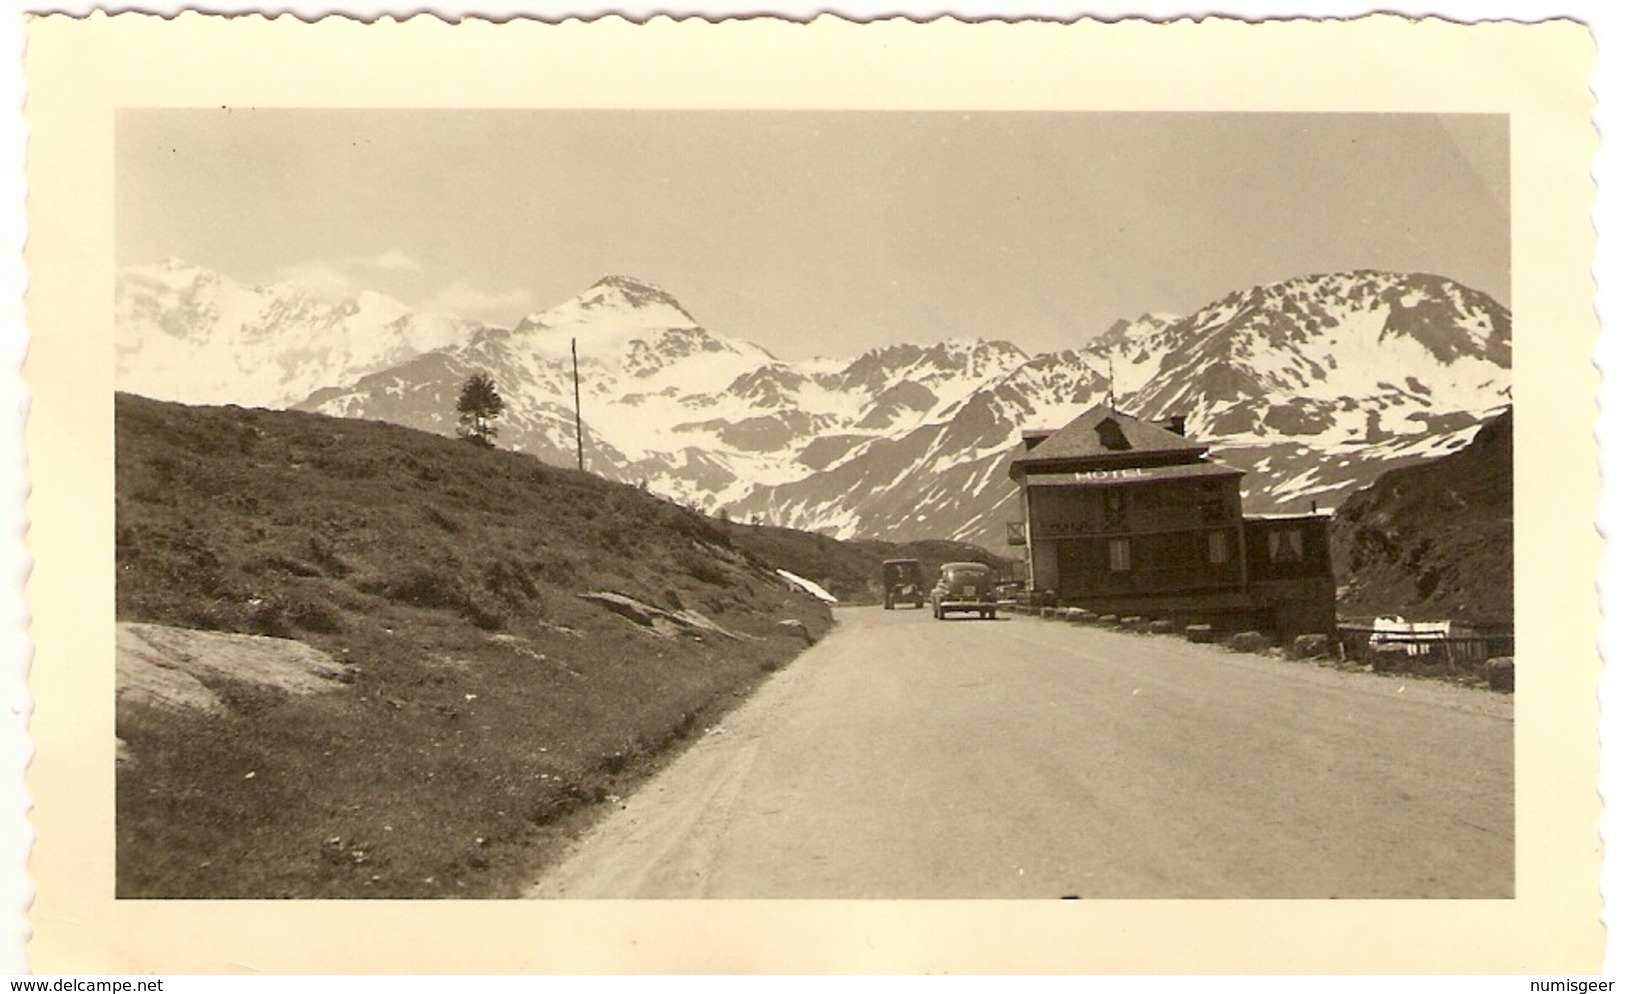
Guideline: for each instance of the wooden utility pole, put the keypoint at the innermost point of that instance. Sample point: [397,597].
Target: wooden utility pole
[575,374]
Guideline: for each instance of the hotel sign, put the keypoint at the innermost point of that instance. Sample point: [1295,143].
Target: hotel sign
[1130,474]
[1108,475]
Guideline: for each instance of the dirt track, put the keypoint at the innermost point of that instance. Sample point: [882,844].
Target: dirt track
[908,758]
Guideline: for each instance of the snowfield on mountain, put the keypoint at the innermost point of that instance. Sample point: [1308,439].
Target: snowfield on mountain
[1314,385]
[188,334]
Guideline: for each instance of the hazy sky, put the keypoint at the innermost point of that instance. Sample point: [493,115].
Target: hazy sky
[815,233]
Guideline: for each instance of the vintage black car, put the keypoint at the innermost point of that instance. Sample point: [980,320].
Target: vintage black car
[903,582]
[964,587]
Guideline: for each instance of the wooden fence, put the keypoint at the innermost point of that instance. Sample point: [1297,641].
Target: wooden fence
[1385,648]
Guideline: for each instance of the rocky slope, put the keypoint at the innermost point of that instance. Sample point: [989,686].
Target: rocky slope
[1433,541]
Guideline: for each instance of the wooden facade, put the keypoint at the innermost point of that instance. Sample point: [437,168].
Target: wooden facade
[1125,516]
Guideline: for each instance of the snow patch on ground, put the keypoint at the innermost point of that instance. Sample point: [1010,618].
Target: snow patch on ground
[807,585]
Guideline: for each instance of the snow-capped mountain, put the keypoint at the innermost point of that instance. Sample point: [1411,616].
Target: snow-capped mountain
[1314,385]
[1294,358]
[186,333]
[646,367]
[693,414]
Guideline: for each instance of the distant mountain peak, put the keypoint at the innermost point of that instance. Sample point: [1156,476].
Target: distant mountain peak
[1125,331]
[635,293]
[623,301]
[630,284]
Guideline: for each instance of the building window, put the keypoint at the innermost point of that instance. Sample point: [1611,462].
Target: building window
[1218,548]
[1286,545]
[1115,518]
[1111,435]
[1117,548]
[1210,504]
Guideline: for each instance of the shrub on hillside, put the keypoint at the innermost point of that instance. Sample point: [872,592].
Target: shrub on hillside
[702,568]
[509,581]
[439,589]
[441,519]
[555,569]
[346,466]
[266,616]
[314,616]
[275,562]
[419,587]
[612,537]
[322,554]
[482,613]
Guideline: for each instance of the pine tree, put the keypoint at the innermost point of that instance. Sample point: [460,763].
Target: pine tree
[477,406]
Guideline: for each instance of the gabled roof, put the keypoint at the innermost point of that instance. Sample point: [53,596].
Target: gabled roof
[1109,436]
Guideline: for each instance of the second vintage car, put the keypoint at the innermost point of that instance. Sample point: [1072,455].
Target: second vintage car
[903,582]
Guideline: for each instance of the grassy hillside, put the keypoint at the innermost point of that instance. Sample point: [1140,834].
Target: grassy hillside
[484,700]
[1432,541]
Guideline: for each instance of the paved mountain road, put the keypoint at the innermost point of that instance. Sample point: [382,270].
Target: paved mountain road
[904,757]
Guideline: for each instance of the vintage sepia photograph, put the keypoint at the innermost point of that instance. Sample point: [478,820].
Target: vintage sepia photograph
[741,497]
[934,504]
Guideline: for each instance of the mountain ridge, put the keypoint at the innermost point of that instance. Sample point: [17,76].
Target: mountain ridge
[1313,384]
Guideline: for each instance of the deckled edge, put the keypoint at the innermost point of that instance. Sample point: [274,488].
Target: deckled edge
[16,651]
